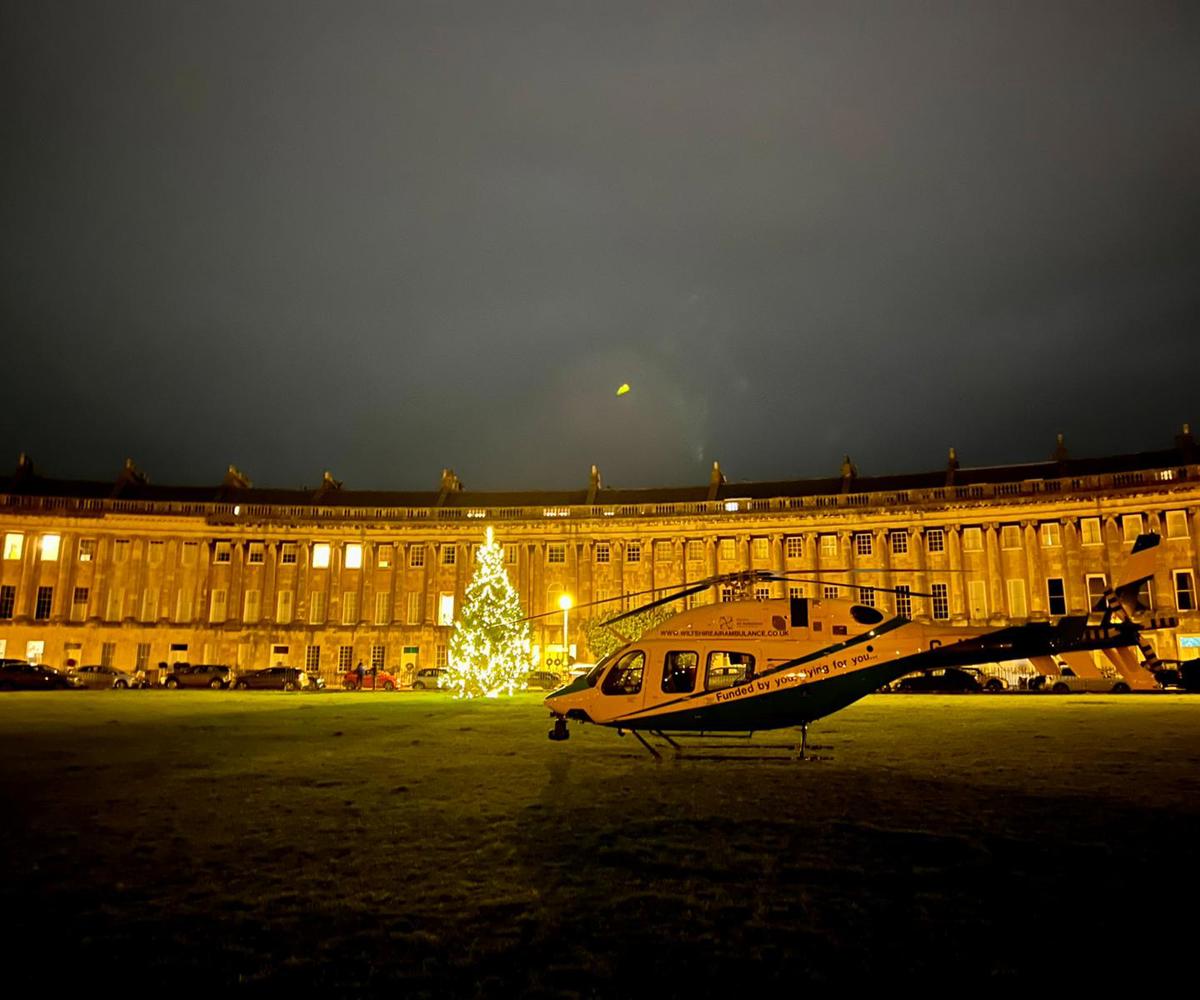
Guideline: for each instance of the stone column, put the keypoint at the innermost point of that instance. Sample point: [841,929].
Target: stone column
[922,606]
[995,568]
[960,614]
[1073,581]
[1038,602]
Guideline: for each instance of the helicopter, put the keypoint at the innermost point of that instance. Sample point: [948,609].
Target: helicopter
[759,665]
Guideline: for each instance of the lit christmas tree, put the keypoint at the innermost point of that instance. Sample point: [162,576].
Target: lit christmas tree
[489,651]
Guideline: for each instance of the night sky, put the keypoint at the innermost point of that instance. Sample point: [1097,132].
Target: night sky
[383,238]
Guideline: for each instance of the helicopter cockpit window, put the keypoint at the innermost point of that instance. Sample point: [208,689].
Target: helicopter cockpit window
[866,616]
[625,677]
[728,670]
[593,675]
[679,672]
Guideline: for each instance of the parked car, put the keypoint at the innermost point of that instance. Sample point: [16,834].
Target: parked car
[384,680]
[948,681]
[543,680]
[17,675]
[429,677]
[209,675]
[96,676]
[1070,684]
[273,679]
[988,682]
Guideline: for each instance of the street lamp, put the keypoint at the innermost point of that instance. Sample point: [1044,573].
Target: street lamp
[565,603]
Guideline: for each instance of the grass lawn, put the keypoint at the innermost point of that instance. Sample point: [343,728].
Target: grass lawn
[407,844]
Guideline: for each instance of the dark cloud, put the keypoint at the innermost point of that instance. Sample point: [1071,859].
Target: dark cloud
[386,238]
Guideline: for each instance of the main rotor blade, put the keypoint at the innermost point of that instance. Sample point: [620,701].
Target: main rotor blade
[669,599]
[856,586]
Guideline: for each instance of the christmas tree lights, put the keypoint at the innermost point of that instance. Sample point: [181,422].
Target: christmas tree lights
[489,652]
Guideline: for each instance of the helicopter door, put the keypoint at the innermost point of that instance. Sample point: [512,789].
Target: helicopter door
[623,687]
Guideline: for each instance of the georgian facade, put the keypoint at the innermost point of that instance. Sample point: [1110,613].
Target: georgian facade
[136,574]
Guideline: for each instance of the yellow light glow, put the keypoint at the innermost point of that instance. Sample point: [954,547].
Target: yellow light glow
[320,555]
[50,545]
[624,389]
[13,543]
[353,556]
[565,602]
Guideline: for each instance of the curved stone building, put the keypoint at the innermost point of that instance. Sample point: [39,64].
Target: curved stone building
[134,574]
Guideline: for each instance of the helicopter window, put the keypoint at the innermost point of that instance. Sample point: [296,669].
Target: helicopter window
[679,672]
[593,675]
[626,674]
[866,616]
[728,670]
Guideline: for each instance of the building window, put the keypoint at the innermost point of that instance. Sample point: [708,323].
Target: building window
[378,657]
[935,540]
[87,549]
[222,552]
[187,554]
[1056,595]
[439,656]
[1010,537]
[1016,599]
[1051,537]
[762,549]
[285,601]
[556,553]
[445,609]
[1131,526]
[183,607]
[216,609]
[762,592]
[664,551]
[79,603]
[941,601]
[320,555]
[794,547]
[121,550]
[8,598]
[154,552]
[1185,590]
[829,591]
[1097,584]
[45,597]
[143,656]
[727,595]
[116,605]
[633,552]
[349,607]
[449,555]
[251,605]
[413,615]
[150,604]
[382,608]
[977,594]
[510,553]
[416,556]
[316,607]
[383,556]
[49,547]
[866,595]
[972,539]
[829,546]
[345,659]
[863,543]
[108,653]
[795,591]
[1089,529]
[353,555]
[728,551]
[695,551]
[256,553]
[287,554]
[1176,524]
[312,659]
[899,540]
[14,545]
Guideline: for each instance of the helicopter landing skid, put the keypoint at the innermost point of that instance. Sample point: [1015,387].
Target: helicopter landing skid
[682,744]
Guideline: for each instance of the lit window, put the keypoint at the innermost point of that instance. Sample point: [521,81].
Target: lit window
[87,549]
[1010,537]
[1185,590]
[1051,538]
[50,545]
[633,552]
[320,555]
[556,553]
[899,540]
[863,543]
[14,544]
[935,541]
[941,601]
[972,540]
[795,547]
[445,609]
[449,555]
[1176,524]
[1131,526]
[353,556]
[603,552]
[829,545]
[1089,529]
[731,506]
